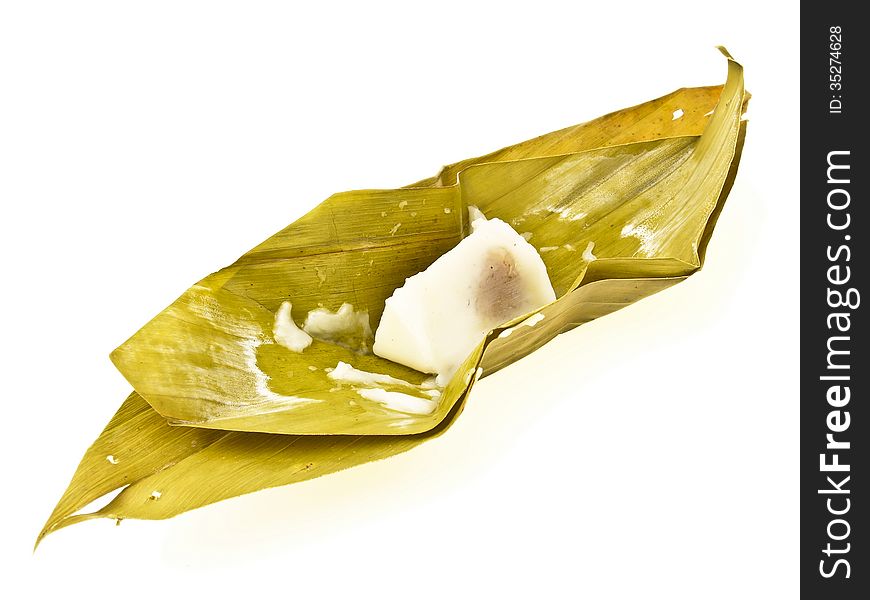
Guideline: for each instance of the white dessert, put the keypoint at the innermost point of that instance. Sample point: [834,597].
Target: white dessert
[434,321]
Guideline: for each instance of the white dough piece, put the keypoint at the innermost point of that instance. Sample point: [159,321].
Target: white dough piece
[436,319]
[346,327]
[287,333]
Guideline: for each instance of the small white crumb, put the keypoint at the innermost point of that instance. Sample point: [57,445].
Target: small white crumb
[526,235]
[533,320]
[312,368]
[530,322]
[287,333]
[155,495]
[677,114]
[403,204]
[383,213]
[446,211]
[587,253]
[111,458]
[569,247]
[395,228]
[547,248]
[413,214]
[345,373]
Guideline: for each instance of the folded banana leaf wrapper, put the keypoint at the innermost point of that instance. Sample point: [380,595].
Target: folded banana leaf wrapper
[620,207]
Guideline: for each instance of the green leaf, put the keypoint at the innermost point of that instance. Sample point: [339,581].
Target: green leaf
[643,208]
[643,185]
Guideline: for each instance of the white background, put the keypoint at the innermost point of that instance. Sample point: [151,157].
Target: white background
[651,454]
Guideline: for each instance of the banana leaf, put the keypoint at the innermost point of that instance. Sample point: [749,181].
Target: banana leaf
[620,207]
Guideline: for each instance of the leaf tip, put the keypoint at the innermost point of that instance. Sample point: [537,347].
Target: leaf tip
[53,526]
[725,52]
